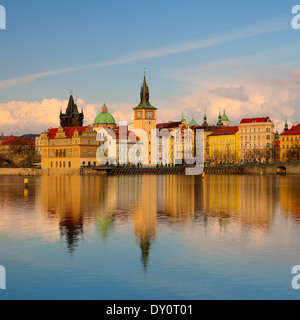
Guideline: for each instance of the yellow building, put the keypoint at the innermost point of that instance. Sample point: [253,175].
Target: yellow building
[224,145]
[257,139]
[68,148]
[145,119]
[290,144]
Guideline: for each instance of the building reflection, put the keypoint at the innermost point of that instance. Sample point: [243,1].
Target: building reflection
[289,197]
[106,203]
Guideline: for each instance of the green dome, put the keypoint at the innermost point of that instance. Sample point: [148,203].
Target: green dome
[104,117]
[224,118]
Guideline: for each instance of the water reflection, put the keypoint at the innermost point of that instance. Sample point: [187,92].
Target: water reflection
[148,201]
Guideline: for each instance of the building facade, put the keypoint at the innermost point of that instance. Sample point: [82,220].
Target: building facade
[224,145]
[68,148]
[290,144]
[257,139]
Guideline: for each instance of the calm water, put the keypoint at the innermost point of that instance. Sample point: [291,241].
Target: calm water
[148,237]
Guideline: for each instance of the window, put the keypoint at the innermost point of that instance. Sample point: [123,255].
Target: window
[268,137]
[69,164]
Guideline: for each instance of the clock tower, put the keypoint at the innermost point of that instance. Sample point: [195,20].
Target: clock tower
[145,119]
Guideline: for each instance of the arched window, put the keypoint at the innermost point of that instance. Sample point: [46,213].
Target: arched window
[69,164]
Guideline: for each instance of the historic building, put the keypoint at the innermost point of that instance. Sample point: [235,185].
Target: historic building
[119,149]
[290,144]
[104,120]
[72,117]
[174,143]
[68,148]
[145,119]
[16,146]
[224,145]
[256,139]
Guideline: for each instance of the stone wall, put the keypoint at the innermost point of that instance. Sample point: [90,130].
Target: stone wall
[20,172]
[291,168]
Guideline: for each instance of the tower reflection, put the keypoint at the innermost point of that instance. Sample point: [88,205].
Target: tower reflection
[144,202]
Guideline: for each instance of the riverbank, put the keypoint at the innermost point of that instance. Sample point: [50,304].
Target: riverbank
[268,169]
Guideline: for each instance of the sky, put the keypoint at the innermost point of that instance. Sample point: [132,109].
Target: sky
[200,56]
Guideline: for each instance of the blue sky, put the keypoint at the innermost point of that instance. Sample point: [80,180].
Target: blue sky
[198,54]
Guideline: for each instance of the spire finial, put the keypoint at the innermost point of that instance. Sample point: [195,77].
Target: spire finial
[71,92]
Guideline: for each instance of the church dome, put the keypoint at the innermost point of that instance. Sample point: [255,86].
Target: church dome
[104,117]
[224,118]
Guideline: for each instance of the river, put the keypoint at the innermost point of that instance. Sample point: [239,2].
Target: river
[150,237]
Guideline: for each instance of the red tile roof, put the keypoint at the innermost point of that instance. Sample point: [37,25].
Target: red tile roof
[168,125]
[255,120]
[68,131]
[16,141]
[225,131]
[295,130]
[206,128]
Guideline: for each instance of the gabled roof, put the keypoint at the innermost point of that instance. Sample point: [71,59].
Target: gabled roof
[225,131]
[69,132]
[295,130]
[255,120]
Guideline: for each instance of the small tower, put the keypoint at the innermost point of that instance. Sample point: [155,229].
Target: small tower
[205,124]
[286,126]
[72,117]
[220,123]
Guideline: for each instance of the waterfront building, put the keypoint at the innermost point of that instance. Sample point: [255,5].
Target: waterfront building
[198,143]
[224,145]
[256,140]
[123,148]
[175,143]
[145,119]
[290,144]
[72,117]
[68,148]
